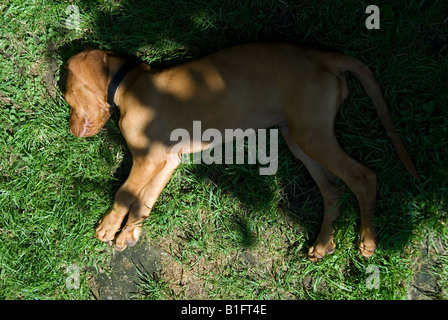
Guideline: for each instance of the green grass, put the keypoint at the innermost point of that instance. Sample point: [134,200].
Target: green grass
[232,233]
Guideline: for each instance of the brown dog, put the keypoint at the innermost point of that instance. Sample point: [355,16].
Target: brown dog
[249,86]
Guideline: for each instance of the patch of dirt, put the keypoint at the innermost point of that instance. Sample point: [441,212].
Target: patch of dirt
[184,273]
[161,259]
[121,282]
[183,281]
[425,283]
[49,78]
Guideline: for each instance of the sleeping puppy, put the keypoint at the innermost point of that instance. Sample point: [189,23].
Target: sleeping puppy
[252,86]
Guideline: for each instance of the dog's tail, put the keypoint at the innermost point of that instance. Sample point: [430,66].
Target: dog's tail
[366,77]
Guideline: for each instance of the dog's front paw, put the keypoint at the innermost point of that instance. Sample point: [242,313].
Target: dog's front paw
[128,237]
[108,226]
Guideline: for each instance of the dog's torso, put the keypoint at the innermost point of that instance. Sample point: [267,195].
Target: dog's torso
[251,86]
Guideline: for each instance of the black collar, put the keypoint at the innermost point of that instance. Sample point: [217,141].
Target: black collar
[116,80]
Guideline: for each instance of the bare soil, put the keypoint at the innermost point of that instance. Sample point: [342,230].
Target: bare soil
[127,268]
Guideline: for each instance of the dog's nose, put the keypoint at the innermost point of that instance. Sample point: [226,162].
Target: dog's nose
[78,126]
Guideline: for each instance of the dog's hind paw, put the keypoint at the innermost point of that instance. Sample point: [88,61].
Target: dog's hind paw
[318,250]
[367,249]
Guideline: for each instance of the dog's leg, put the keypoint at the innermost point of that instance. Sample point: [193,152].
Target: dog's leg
[326,182]
[141,173]
[323,147]
[141,208]
[312,130]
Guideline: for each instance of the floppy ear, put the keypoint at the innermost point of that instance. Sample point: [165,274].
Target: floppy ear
[91,68]
[87,82]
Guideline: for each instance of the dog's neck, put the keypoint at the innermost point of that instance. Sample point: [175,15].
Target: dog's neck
[119,69]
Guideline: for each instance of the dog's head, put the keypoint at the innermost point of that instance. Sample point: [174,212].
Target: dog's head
[86,93]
